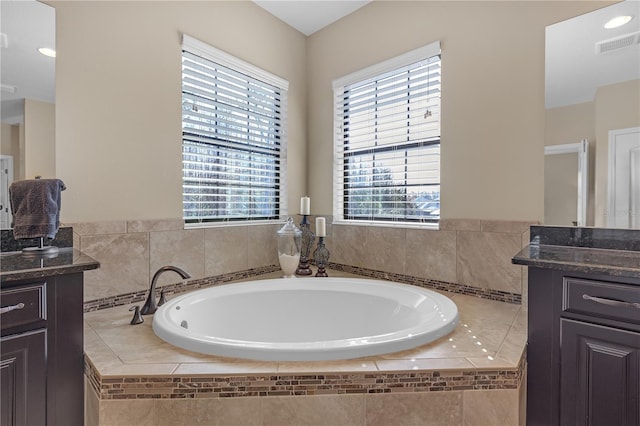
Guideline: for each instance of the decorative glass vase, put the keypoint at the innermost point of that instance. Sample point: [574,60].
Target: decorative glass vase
[289,244]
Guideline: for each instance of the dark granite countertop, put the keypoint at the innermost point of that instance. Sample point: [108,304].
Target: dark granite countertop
[579,259]
[15,266]
[590,250]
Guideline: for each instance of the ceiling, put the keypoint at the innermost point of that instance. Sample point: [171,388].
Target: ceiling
[28,25]
[309,16]
[573,70]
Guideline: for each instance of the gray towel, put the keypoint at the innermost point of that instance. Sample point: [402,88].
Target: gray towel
[35,205]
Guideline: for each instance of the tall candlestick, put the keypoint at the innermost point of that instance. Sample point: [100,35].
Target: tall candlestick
[321,227]
[305,205]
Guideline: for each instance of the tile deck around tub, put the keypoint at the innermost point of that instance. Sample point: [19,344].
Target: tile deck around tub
[485,351]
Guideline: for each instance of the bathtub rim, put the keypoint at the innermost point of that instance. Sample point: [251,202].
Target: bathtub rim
[339,349]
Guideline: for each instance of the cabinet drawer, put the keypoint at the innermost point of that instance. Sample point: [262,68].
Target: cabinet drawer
[602,299]
[23,305]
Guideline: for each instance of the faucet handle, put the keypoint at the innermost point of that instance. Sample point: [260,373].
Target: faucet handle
[163,299]
[137,317]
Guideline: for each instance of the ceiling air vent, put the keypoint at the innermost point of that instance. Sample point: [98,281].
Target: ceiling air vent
[618,43]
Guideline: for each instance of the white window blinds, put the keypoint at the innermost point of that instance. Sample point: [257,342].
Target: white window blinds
[387,140]
[233,138]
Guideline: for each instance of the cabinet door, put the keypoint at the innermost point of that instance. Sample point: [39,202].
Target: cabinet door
[600,368]
[23,379]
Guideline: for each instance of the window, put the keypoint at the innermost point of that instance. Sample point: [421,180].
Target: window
[233,138]
[387,140]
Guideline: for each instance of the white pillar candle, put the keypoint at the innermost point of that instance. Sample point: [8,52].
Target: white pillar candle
[305,205]
[321,227]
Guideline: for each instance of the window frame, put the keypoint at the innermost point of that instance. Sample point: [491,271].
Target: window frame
[340,173]
[209,53]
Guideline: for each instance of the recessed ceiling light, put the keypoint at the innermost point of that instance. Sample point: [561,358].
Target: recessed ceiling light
[47,52]
[618,21]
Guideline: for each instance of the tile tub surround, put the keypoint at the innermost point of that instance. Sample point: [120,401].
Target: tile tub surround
[467,256]
[131,251]
[130,370]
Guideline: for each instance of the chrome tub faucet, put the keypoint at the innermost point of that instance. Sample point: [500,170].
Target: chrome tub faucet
[150,306]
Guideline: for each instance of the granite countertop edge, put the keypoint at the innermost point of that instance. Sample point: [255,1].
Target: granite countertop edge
[579,259]
[68,261]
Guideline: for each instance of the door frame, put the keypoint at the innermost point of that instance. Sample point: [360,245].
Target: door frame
[611,181]
[582,149]
[6,163]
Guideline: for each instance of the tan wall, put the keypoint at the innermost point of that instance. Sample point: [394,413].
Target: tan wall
[118,79]
[39,139]
[6,147]
[571,124]
[616,107]
[10,145]
[118,132]
[492,95]
[561,189]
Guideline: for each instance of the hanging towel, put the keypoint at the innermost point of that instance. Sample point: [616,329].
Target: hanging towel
[35,205]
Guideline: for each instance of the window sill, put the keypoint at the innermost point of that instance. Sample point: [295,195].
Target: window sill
[233,223]
[406,225]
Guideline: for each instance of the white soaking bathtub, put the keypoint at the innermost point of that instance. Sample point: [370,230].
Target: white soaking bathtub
[305,319]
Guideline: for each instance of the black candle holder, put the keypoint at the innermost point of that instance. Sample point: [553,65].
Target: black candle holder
[308,238]
[321,256]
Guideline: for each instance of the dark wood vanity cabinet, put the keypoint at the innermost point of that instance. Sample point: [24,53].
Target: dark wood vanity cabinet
[23,378]
[584,349]
[42,351]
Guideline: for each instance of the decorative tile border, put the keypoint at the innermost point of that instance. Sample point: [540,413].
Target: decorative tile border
[484,293]
[307,384]
[170,289]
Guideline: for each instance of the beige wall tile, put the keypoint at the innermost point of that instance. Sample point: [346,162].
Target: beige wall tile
[385,249]
[99,352]
[126,341]
[262,245]
[124,264]
[183,248]
[138,412]
[225,250]
[512,227]
[361,364]
[516,339]
[421,408]
[526,237]
[491,407]
[348,245]
[320,410]
[525,286]
[209,411]
[91,405]
[423,364]
[226,366]
[522,400]
[460,225]
[76,240]
[99,228]
[431,254]
[155,225]
[484,260]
